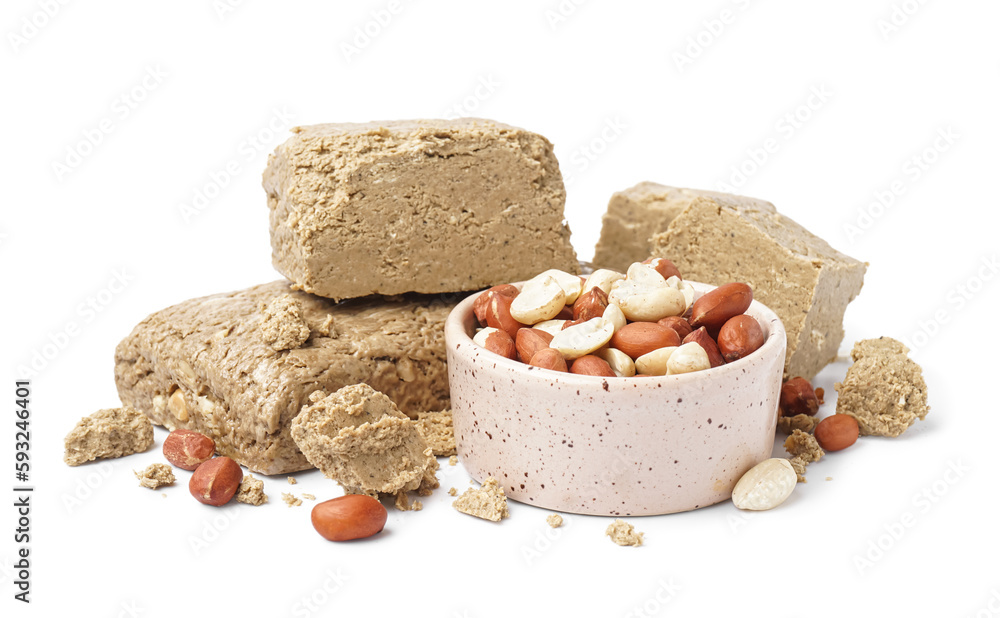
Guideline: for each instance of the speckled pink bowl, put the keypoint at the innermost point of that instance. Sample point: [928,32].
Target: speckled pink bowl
[613,446]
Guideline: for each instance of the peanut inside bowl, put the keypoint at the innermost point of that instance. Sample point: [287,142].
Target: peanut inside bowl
[613,446]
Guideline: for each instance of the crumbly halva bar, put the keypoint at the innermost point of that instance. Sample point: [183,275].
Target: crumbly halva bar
[208,365]
[633,217]
[723,238]
[884,390]
[357,437]
[425,206]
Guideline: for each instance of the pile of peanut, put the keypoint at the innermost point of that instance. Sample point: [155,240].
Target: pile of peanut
[645,322]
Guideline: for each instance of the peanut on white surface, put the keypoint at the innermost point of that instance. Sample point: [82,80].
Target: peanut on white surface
[765,485]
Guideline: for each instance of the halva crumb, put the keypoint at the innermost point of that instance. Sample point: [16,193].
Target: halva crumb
[452,492]
[282,325]
[359,438]
[804,450]
[292,480]
[802,422]
[251,491]
[109,433]
[555,520]
[309,496]
[486,502]
[623,533]
[453,461]
[437,430]
[884,390]
[290,500]
[155,476]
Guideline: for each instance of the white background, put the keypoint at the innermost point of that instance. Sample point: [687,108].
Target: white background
[678,93]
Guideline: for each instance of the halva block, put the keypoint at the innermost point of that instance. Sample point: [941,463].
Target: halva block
[219,364]
[633,217]
[723,238]
[415,206]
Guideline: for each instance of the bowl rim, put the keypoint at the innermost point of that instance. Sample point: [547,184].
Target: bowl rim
[456,335]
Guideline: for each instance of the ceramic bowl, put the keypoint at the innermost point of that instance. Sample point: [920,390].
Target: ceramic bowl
[613,446]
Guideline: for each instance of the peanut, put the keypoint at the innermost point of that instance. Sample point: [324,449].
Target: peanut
[529,341]
[349,517]
[837,432]
[688,358]
[549,359]
[679,324]
[602,278]
[663,266]
[739,336]
[496,341]
[540,299]
[498,315]
[481,306]
[715,307]
[798,397]
[582,339]
[215,482]
[620,362]
[188,449]
[590,305]
[765,485]
[639,338]
[655,363]
[591,365]
[702,338]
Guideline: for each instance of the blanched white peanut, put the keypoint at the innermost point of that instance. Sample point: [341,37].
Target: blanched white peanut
[602,278]
[655,363]
[647,303]
[645,274]
[765,485]
[541,298]
[685,288]
[613,314]
[620,362]
[582,339]
[550,326]
[687,358]
[570,284]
